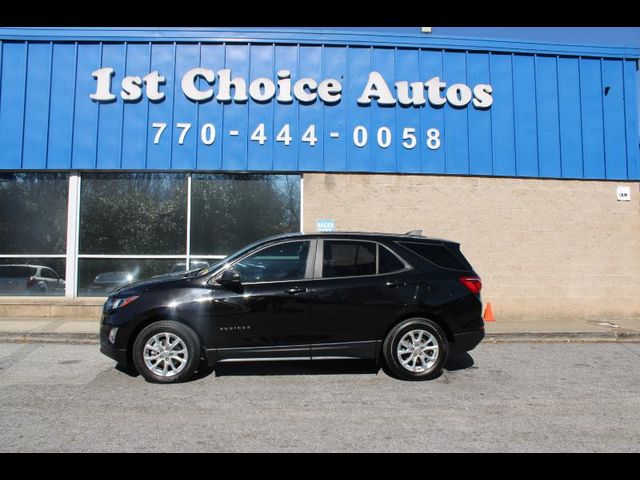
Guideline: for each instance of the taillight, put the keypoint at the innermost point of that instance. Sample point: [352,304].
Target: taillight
[474,284]
[31,281]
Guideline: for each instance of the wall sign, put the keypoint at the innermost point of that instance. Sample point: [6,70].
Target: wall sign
[325,225]
[623,193]
[204,84]
[218,85]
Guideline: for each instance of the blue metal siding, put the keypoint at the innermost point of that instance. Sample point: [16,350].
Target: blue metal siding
[480,136]
[37,106]
[433,161]
[456,141]
[570,117]
[502,115]
[12,102]
[85,126]
[592,118]
[631,99]
[550,115]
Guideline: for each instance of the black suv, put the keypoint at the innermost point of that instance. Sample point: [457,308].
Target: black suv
[406,300]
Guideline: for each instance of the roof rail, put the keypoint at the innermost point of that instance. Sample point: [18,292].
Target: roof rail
[415,232]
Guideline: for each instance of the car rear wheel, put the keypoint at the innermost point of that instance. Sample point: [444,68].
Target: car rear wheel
[166,352]
[415,349]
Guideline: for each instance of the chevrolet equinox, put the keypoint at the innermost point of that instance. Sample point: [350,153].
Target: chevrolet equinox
[403,300]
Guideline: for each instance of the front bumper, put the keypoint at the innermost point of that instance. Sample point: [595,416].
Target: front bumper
[463,342]
[118,354]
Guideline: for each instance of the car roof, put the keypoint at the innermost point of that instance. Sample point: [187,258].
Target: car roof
[360,235]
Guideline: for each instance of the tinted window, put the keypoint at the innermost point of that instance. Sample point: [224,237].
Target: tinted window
[285,261]
[388,262]
[348,259]
[437,254]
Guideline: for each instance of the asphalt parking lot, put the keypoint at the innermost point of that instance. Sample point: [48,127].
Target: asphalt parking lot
[501,397]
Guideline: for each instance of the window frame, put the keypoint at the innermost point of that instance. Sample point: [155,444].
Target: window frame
[317,274]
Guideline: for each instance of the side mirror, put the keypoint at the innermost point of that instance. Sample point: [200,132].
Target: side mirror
[230,278]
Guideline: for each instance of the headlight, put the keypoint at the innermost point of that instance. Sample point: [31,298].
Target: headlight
[115,303]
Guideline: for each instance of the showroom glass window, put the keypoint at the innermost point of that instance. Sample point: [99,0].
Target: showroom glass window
[133,226]
[33,232]
[133,214]
[231,211]
[129,214]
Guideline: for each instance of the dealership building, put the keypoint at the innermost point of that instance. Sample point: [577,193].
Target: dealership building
[129,153]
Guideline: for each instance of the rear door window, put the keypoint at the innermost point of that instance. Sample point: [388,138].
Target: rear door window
[348,258]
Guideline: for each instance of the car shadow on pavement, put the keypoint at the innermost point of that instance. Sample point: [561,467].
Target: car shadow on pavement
[456,361]
[459,361]
[325,367]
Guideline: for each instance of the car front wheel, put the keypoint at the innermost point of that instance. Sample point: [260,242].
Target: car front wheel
[166,352]
[415,349]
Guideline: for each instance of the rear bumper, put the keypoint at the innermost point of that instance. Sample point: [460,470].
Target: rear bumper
[463,342]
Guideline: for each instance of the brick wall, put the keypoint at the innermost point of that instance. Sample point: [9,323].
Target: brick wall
[544,248]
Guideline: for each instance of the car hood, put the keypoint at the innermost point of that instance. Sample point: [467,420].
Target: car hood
[149,282]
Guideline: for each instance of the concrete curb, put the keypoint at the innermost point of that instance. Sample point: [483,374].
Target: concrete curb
[517,337]
[627,336]
[50,337]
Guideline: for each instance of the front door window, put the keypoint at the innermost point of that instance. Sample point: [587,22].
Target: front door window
[281,262]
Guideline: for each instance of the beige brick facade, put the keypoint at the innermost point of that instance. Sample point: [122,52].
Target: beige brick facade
[544,248]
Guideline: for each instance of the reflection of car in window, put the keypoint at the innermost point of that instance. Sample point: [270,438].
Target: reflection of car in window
[107,281]
[30,280]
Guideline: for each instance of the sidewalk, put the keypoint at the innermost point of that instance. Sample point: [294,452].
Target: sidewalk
[85,330]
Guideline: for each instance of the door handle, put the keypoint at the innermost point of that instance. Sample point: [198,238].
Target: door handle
[394,284]
[295,290]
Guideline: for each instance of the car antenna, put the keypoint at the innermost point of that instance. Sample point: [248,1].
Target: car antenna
[415,232]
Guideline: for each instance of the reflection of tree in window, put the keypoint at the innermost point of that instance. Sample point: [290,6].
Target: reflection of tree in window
[229,211]
[133,214]
[33,213]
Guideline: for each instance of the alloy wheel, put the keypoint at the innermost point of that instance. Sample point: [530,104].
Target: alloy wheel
[417,350]
[165,354]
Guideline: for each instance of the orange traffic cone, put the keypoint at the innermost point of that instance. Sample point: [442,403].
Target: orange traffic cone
[488,314]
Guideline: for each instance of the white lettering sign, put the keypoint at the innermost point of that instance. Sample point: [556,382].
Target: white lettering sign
[200,85]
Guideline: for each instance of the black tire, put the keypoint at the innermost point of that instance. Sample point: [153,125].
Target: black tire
[390,347]
[190,340]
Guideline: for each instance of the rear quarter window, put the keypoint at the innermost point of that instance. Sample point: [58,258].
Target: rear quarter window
[437,254]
